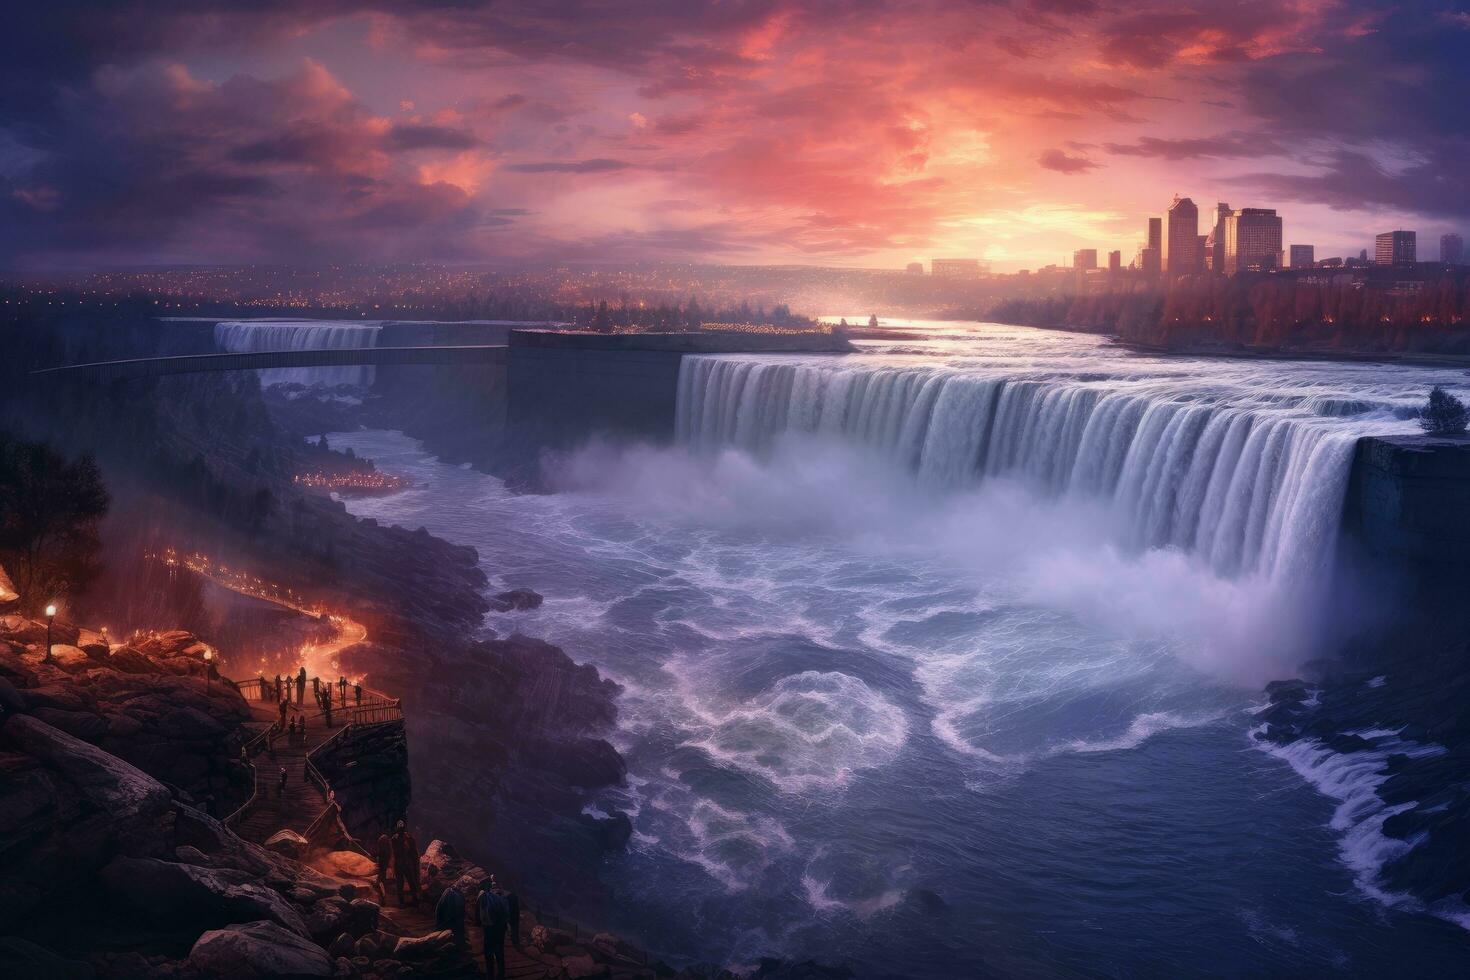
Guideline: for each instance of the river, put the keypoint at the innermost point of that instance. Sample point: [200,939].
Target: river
[940,659]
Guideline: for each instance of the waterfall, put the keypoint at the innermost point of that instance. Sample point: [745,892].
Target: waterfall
[242,336]
[1251,483]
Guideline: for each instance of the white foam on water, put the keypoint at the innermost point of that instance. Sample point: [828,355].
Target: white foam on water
[1352,780]
[811,731]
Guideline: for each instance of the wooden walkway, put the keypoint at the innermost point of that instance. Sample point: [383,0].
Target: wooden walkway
[302,802]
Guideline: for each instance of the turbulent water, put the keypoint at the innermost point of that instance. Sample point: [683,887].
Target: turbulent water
[940,659]
[244,336]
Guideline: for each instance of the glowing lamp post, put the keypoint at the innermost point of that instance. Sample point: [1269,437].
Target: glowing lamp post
[208,659]
[50,618]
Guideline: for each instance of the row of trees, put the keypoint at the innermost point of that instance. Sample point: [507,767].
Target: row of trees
[50,510]
[1267,311]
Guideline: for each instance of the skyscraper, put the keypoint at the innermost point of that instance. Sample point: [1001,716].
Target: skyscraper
[1451,249]
[1303,256]
[1156,234]
[1181,239]
[1395,248]
[1252,240]
[1115,261]
[1215,258]
[1084,258]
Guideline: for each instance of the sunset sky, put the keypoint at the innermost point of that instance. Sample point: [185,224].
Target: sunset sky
[834,133]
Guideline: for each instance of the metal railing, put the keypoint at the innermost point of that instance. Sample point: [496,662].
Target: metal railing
[315,776]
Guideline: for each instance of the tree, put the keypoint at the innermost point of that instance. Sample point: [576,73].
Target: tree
[1444,414]
[49,511]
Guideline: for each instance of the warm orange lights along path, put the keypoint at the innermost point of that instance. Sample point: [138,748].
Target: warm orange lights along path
[320,659]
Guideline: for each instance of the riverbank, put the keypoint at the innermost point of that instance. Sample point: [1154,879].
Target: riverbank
[119,759]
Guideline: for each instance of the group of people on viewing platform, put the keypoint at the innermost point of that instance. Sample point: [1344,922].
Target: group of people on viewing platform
[280,690]
[493,909]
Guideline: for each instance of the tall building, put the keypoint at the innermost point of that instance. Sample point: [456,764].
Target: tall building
[1148,261]
[1215,257]
[1084,258]
[1156,234]
[1303,256]
[1181,239]
[1451,249]
[1395,248]
[915,268]
[955,268]
[1115,261]
[1252,240]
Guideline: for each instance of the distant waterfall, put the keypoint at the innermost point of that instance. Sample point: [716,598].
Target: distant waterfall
[241,336]
[1250,486]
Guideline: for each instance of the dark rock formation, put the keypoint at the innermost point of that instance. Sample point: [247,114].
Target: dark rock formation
[1406,501]
[368,769]
[156,714]
[259,949]
[505,740]
[515,599]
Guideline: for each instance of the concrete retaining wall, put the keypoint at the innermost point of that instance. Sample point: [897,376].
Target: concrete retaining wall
[1408,501]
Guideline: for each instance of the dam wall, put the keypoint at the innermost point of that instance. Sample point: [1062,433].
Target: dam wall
[1408,502]
[565,385]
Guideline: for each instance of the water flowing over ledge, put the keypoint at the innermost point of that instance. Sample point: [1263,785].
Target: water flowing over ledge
[1249,481]
[248,336]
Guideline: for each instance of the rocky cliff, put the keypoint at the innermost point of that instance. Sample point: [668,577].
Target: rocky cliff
[145,702]
[368,769]
[506,746]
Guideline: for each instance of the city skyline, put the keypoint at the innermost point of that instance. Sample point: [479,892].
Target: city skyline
[839,133]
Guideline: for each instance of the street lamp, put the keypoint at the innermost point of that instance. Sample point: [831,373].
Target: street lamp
[50,617]
[208,656]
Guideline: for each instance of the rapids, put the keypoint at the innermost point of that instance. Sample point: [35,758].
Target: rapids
[941,659]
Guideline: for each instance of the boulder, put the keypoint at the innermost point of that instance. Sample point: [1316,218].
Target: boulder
[288,843]
[137,808]
[71,659]
[188,896]
[188,854]
[342,947]
[352,864]
[430,946]
[128,660]
[516,599]
[84,725]
[259,949]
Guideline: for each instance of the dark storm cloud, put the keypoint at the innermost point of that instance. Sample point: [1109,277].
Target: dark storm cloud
[1229,145]
[1353,181]
[812,109]
[1065,163]
[292,168]
[419,137]
[1390,94]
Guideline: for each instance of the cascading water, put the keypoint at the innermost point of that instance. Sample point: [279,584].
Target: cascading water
[1249,481]
[934,636]
[243,336]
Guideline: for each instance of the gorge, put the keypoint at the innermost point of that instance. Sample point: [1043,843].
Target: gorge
[943,654]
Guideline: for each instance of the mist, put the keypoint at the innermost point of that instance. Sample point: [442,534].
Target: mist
[1067,553]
